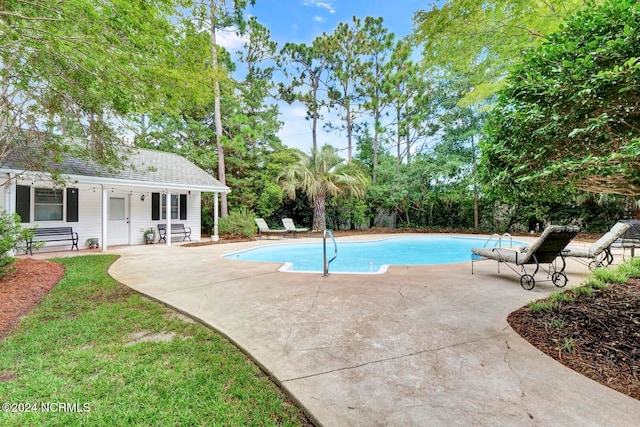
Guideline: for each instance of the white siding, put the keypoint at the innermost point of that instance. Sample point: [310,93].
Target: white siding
[90,213]
[2,194]
[141,217]
[89,216]
[194,215]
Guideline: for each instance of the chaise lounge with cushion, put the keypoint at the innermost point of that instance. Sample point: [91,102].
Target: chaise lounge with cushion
[263,228]
[599,253]
[291,227]
[546,250]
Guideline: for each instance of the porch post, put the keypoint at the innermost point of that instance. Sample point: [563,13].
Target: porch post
[104,219]
[215,217]
[10,194]
[168,215]
[10,200]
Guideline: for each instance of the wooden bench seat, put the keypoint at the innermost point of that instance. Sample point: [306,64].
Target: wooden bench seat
[176,230]
[52,234]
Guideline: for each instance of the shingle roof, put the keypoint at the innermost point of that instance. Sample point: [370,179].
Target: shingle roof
[147,168]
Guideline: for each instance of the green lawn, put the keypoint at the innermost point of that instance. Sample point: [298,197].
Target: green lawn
[76,353]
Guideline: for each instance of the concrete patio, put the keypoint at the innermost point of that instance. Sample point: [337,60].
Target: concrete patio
[419,345]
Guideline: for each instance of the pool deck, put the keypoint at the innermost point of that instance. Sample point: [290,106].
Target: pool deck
[418,345]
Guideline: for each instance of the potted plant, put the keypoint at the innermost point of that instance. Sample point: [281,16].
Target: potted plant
[149,236]
[92,242]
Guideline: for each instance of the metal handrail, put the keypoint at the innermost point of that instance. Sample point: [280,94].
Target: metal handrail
[324,250]
[490,239]
[498,243]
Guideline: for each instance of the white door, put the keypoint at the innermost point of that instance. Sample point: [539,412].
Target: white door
[118,225]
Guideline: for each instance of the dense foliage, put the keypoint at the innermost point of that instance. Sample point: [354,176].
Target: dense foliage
[407,125]
[69,69]
[239,223]
[322,175]
[12,237]
[570,114]
[483,38]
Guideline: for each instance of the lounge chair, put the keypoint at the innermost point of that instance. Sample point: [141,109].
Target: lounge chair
[549,246]
[263,228]
[291,227]
[600,251]
[630,239]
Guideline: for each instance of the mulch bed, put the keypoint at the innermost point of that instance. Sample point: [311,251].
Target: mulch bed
[23,288]
[597,336]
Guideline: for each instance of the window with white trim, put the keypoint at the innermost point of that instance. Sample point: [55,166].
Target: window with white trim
[48,204]
[174,206]
[159,206]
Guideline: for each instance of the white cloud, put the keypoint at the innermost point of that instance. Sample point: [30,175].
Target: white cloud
[228,39]
[320,4]
[327,6]
[297,112]
[318,18]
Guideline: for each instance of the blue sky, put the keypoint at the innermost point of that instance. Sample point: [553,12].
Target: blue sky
[300,21]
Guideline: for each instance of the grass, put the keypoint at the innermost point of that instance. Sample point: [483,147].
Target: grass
[583,290]
[541,305]
[79,347]
[598,280]
[561,297]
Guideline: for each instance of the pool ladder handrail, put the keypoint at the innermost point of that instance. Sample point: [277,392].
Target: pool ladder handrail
[498,243]
[324,250]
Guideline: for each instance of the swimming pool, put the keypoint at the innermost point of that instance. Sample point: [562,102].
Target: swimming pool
[372,256]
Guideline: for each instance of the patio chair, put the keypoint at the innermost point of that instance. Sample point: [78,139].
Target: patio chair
[263,228]
[630,239]
[599,253]
[291,227]
[546,250]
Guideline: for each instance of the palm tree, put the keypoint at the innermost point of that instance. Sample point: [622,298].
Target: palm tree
[320,175]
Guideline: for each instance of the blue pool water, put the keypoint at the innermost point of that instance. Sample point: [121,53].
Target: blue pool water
[371,256]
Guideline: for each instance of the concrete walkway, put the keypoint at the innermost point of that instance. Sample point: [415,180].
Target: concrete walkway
[420,345]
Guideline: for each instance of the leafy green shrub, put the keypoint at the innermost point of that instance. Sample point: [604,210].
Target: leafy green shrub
[12,237]
[238,223]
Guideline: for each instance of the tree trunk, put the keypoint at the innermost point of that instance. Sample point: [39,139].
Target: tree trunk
[349,133]
[319,213]
[224,209]
[398,140]
[376,142]
[314,119]
[476,213]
